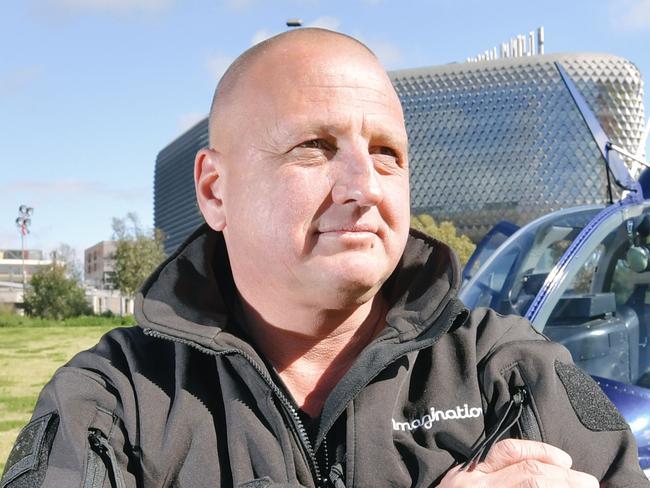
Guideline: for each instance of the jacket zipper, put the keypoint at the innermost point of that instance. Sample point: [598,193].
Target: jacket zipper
[513,414]
[528,425]
[449,314]
[297,422]
[106,454]
[450,310]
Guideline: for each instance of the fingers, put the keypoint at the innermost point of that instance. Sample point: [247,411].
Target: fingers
[511,451]
[532,473]
[515,463]
[524,474]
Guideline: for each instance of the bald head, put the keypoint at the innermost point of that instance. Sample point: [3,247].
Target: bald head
[234,77]
[307,175]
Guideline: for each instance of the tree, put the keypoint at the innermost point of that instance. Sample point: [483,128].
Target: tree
[66,255]
[445,232]
[138,252]
[53,295]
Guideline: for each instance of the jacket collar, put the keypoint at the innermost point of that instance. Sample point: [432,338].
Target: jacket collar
[192,295]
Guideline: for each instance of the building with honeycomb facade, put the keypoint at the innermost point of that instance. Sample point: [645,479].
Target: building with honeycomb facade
[503,139]
[489,140]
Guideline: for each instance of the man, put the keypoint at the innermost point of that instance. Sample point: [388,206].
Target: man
[303,337]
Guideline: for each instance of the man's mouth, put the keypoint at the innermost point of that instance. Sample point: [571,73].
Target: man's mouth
[349,228]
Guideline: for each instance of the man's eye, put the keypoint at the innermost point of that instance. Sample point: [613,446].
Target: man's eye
[386,151]
[315,144]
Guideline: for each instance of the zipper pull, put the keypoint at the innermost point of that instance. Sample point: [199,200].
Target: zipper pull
[95,438]
[101,446]
[336,476]
[508,420]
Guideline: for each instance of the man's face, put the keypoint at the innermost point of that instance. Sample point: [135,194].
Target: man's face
[315,182]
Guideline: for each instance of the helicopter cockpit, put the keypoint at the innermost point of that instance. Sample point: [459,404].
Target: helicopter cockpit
[601,308]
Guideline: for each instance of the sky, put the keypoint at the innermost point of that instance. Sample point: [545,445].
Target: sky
[92,90]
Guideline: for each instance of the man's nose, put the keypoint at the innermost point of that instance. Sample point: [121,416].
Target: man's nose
[357,180]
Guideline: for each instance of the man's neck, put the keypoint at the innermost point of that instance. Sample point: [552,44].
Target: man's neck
[312,361]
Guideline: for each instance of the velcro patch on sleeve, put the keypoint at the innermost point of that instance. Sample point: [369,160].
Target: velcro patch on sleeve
[592,407]
[27,461]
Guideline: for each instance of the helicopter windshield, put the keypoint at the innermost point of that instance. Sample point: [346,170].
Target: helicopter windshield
[509,281]
[599,307]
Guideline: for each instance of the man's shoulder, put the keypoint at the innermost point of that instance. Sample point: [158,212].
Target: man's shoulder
[126,368]
[125,353]
[491,330]
[107,369]
[120,347]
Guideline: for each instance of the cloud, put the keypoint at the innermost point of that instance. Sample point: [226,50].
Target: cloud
[188,120]
[307,3]
[630,15]
[240,4]
[331,23]
[248,4]
[18,79]
[388,53]
[111,6]
[261,35]
[9,239]
[71,188]
[218,63]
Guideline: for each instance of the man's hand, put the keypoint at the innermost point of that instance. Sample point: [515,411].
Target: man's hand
[517,463]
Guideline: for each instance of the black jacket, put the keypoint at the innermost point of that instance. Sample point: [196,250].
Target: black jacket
[184,400]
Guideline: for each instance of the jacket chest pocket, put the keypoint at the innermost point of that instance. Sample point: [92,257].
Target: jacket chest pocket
[103,469]
[521,405]
[517,418]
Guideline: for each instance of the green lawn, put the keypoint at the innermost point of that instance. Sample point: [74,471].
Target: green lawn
[28,357]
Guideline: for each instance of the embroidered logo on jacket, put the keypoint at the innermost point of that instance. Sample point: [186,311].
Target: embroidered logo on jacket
[429,419]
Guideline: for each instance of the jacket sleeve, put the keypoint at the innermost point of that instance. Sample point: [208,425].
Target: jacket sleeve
[75,437]
[563,405]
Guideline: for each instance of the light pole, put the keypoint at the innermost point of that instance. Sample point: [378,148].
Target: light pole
[23,222]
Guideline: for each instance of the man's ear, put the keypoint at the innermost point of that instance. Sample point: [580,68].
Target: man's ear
[208,181]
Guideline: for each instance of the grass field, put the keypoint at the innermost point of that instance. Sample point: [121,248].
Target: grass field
[28,357]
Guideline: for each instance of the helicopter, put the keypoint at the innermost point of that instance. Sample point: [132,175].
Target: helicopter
[581,276]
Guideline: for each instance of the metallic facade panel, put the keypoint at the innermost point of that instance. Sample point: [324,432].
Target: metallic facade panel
[489,141]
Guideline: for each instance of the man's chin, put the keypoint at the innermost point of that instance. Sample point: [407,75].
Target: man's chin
[350,277]
[353,288]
